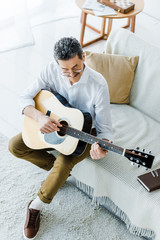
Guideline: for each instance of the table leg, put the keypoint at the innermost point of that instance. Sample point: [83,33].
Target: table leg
[133,20]
[103,27]
[82,13]
[83,19]
[87,25]
[101,33]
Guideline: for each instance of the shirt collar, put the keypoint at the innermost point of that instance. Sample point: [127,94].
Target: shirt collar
[84,76]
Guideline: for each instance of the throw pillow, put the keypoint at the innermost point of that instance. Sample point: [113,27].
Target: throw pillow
[117,70]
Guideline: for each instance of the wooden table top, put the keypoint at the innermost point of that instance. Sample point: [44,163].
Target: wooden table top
[139,5]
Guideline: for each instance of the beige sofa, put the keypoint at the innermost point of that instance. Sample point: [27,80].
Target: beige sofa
[112,181]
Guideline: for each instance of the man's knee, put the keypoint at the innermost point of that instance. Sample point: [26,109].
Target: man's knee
[64,163]
[14,145]
[11,146]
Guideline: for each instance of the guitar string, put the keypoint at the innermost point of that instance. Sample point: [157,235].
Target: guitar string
[90,139]
[90,136]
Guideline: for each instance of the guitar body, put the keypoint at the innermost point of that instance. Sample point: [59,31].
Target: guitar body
[60,110]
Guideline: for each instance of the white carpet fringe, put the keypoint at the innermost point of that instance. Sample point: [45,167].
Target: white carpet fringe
[107,202]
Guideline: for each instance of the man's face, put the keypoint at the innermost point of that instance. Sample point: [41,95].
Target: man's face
[72,68]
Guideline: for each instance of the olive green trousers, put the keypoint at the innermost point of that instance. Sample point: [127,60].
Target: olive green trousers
[60,167]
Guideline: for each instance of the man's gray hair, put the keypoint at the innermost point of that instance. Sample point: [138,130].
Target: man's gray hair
[67,48]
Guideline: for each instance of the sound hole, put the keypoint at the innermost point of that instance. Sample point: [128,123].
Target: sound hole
[63,129]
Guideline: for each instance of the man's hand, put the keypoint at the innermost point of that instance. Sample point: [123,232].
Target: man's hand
[97,152]
[48,124]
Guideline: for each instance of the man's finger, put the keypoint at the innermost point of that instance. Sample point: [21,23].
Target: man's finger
[56,122]
[49,128]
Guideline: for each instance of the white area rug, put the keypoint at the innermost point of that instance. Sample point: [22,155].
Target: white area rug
[70,216]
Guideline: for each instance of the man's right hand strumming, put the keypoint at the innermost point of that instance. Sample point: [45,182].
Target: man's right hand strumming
[46,124]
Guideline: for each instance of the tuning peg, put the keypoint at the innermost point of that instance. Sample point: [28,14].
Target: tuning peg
[143,150]
[146,168]
[132,163]
[139,166]
[149,152]
[137,148]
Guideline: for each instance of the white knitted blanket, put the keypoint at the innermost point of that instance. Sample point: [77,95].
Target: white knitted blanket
[115,178]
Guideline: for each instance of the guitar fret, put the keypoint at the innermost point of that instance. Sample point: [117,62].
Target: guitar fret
[85,137]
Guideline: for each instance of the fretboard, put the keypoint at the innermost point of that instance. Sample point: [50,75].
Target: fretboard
[85,137]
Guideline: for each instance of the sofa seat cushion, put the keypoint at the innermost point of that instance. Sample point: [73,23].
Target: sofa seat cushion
[114,177]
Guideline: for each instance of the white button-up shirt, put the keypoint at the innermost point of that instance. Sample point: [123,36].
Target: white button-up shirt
[89,94]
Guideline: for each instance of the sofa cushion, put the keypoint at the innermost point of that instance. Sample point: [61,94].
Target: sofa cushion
[144,93]
[117,70]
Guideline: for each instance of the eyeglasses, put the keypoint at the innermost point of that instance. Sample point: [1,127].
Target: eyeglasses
[68,74]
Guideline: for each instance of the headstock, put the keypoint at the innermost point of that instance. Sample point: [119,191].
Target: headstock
[140,158]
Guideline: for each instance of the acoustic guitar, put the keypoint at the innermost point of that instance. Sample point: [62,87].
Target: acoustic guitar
[75,132]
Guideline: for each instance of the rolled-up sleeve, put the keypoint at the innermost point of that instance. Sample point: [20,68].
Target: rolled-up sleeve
[103,121]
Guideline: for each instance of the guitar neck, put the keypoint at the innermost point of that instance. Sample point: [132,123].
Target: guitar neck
[88,138]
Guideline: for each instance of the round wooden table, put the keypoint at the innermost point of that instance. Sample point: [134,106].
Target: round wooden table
[131,16]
